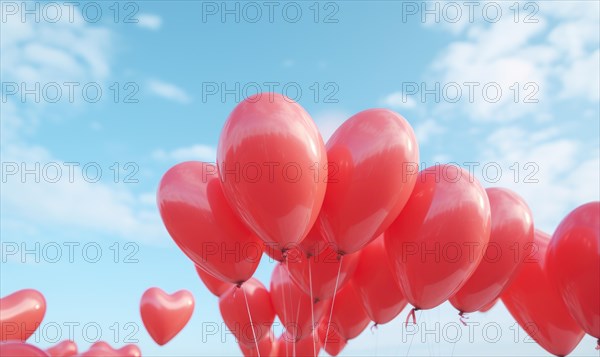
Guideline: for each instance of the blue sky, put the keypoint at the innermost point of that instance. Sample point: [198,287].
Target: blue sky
[173,68]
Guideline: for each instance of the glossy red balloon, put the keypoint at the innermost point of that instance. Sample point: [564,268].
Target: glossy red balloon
[234,311]
[324,271]
[165,315]
[20,314]
[273,167]
[334,343]
[199,219]
[348,318]
[377,287]
[511,238]
[215,285]
[287,346]
[65,348]
[20,349]
[438,240]
[292,305]
[574,264]
[536,304]
[266,347]
[103,349]
[373,160]
[314,243]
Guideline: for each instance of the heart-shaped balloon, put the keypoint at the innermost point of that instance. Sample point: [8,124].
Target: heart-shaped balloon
[511,237]
[292,305]
[286,346]
[573,264]
[348,318]
[253,299]
[20,314]
[533,300]
[20,349]
[65,348]
[438,240]
[273,167]
[322,270]
[103,349]
[199,219]
[373,160]
[215,285]
[377,287]
[165,315]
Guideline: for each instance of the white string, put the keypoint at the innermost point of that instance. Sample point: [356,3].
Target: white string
[251,324]
[333,301]
[312,309]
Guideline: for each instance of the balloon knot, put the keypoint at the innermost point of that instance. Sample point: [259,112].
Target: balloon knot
[462,318]
[374,328]
[411,314]
[598,345]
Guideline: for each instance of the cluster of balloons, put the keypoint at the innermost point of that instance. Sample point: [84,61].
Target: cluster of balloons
[360,232]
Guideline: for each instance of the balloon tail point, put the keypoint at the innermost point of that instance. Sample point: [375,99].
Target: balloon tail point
[462,318]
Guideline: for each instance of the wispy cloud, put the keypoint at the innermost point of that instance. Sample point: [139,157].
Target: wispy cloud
[168,91]
[196,152]
[398,100]
[149,21]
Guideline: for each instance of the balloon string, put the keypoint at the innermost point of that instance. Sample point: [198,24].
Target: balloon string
[251,324]
[337,279]
[413,335]
[598,345]
[374,331]
[289,291]
[284,310]
[297,316]
[463,317]
[312,309]
[411,314]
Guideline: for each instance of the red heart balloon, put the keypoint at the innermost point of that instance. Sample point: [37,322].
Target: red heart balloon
[438,240]
[265,346]
[199,219]
[286,346]
[234,311]
[511,235]
[334,343]
[103,349]
[20,349]
[573,263]
[377,288]
[348,317]
[292,305]
[65,348]
[373,167]
[20,314]
[323,271]
[273,167]
[536,304]
[165,315]
[215,285]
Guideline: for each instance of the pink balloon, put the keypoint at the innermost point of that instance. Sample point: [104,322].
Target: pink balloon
[165,315]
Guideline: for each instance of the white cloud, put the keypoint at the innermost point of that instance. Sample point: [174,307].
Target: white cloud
[399,100]
[558,55]
[149,21]
[329,121]
[196,152]
[555,174]
[65,51]
[425,130]
[168,91]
